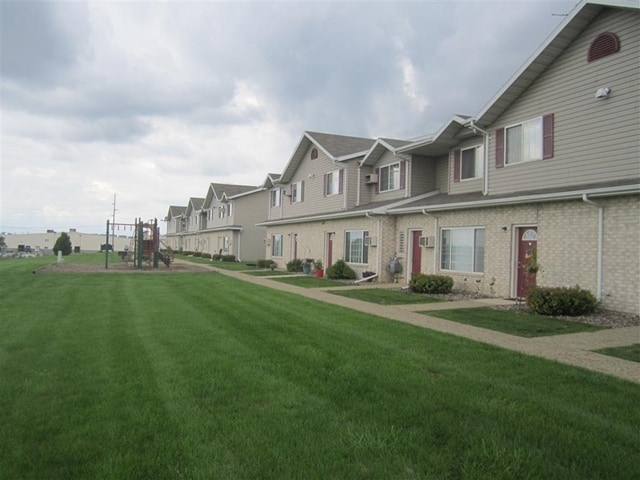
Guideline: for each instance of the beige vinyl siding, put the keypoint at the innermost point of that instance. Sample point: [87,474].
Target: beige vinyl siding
[312,173]
[595,140]
[422,175]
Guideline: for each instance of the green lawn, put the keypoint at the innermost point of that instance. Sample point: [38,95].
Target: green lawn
[198,375]
[309,281]
[631,352]
[383,296]
[514,323]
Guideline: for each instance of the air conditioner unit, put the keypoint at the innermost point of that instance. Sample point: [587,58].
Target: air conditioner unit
[428,242]
[371,178]
[371,241]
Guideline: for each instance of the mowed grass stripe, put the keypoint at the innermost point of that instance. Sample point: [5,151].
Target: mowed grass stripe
[203,376]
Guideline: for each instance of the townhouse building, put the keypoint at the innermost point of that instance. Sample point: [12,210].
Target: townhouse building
[223,222]
[541,187]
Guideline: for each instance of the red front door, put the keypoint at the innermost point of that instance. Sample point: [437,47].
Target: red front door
[527,260]
[416,253]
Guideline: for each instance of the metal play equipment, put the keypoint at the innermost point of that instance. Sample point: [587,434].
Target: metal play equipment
[145,244]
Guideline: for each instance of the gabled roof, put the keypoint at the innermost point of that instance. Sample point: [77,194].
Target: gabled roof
[545,55]
[336,147]
[195,204]
[380,146]
[175,211]
[270,180]
[440,142]
[224,191]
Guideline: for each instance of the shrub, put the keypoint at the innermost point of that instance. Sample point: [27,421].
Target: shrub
[206,255]
[294,265]
[263,263]
[422,283]
[228,258]
[340,271]
[569,301]
[197,254]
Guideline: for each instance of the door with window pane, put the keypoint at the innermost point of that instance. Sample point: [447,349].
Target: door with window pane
[527,260]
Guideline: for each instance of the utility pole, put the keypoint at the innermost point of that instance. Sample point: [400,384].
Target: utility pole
[113,221]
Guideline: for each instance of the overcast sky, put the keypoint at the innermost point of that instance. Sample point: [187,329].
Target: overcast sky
[154,101]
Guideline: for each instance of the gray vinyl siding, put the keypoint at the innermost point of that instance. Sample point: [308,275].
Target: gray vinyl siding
[351,183]
[465,186]
[595,140]
[422,175]
[367,192]
[442,173]
[390,158]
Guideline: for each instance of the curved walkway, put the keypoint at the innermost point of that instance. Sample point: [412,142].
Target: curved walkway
[573,349]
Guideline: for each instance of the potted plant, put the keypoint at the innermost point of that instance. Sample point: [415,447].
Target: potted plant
[306,265]
[319,271]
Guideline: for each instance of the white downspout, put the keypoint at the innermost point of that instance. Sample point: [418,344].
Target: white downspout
[599,273]
[435,238]
[379,229]
[358,186]
[476,130]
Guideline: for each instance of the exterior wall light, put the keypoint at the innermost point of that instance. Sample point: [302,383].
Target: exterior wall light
[603,92]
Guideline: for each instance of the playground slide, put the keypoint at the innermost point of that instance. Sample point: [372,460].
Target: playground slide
[165,258]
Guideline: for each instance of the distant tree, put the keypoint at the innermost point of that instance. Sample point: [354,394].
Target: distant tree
[3,244]
[63,244]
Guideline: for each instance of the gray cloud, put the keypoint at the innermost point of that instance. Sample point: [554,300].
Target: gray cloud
[182,94]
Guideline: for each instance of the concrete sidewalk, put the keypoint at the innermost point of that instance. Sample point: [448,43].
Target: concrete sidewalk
[572,349]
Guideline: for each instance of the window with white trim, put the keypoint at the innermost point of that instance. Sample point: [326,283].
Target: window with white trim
[523,142]
[297,194]
[472,162]
[229,209]
[276,196]
[355,250]
[333,182]
[462,249]
[389,177]
[276,245]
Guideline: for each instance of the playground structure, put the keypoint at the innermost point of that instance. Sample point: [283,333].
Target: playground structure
[144,246]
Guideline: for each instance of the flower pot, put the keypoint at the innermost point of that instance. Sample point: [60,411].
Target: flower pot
[306,268]
[319,273]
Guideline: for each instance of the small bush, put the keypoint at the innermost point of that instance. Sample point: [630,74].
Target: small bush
[187,253]
[228,258]
[197,254]
[263,263]
[422,283]
[294,265]
[216,256]
[206,255]
[340,271]
[569,301]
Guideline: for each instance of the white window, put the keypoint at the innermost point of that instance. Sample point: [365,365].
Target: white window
[276,195]
[390,177]
[221,211]
[225,243]
[472,162]
[276,245]
[355,249]
[229,209]
[462,249]
[524,142]
[297,192]
[333,182]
